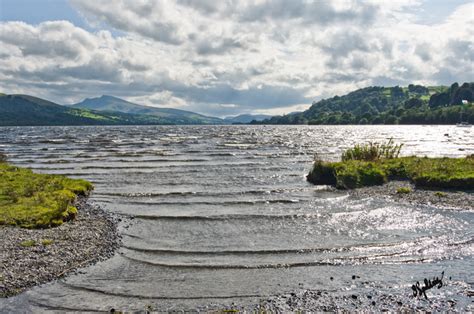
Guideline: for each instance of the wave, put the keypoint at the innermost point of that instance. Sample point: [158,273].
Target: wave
[161,297]
[200,193]
[357,247]
[340,261]
[225,217]
[222,203]
[235,252]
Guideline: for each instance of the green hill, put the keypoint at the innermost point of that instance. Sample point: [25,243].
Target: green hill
[22,110]
[414,104]
[172,116]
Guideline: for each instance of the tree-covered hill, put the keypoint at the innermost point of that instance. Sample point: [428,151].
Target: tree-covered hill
[414,104]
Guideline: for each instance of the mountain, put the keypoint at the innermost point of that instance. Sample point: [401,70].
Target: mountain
[246,118]
[415,104]
[172,116]
[21,110]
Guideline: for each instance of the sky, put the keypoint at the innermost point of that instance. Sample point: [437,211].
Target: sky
[230,57]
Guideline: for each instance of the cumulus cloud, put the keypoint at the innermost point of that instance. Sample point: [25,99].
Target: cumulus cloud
[232,56]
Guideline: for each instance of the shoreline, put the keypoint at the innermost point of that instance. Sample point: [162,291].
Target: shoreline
[87,222]
[373,300]
[57,251]
[437,197]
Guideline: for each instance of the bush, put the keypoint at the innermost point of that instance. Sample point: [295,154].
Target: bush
[3,157]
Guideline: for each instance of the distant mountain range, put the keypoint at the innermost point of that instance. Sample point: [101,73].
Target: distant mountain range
[246,118]
[415,104]
[166,115]
[23,110]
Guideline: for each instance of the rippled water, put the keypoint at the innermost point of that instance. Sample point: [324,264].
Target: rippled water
[223,214]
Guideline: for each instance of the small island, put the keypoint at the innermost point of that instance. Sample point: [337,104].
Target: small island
[376,164]
[47,228]
[374,169]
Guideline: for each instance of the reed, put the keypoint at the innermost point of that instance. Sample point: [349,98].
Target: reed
[373,151]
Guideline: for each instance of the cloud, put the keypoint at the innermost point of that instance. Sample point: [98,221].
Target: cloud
[50,39]
[231,56]
[151,19]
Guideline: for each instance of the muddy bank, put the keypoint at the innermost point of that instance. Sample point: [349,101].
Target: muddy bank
[32,257]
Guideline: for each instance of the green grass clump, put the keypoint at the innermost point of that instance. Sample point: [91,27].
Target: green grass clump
[28,243]
[403,190]
[46,242]
[353,172]
[32,200]
[372,151]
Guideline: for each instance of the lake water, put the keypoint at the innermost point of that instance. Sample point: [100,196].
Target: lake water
[224,214]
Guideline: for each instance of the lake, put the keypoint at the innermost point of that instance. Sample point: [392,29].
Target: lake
[222,214]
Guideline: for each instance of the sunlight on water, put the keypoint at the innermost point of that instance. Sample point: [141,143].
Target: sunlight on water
[225,212]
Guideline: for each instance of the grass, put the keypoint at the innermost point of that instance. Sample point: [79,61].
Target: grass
[28,243]
[368,170]
[403,190]
[372,151]
[87,114]
[32,200]
[46,242]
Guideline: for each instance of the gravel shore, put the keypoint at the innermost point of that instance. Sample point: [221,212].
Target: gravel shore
[91,237]
[437,197]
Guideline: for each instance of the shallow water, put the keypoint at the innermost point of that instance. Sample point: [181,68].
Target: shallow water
[223,214]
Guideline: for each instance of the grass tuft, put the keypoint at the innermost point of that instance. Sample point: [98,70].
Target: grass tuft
[46,242]
[372,151]
[28,243]
[403,190]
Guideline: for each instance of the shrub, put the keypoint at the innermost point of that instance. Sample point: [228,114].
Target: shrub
[3,157]
[372,151]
